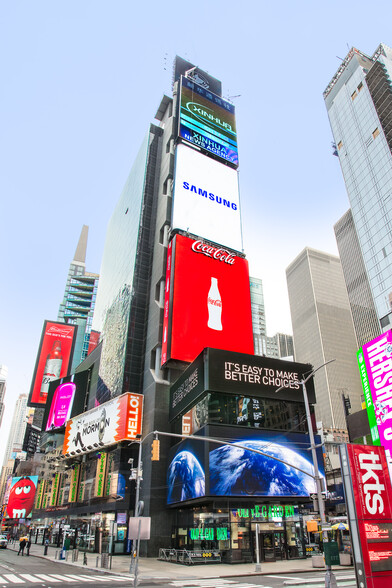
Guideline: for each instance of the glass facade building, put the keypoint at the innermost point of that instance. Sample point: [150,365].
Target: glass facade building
[359,104]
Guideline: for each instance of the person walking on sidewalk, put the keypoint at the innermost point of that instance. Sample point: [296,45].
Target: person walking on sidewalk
[22,545]
[28,545]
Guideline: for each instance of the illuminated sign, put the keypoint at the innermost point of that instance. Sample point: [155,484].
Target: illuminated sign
[21,497]
[61,406]
[206,199]
[207,303]
[375,368]
[372,494]
[119,419]
[209,534]
[53,360]
[100,475]
[208,122]
[264,511]
[73,491]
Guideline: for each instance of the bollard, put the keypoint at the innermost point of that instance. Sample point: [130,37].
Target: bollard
[46,550]
[85,559]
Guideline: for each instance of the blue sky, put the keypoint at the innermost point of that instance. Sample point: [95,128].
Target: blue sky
[83,80]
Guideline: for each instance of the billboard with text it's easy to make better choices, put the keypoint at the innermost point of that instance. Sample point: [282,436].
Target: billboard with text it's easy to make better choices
[207,301]
[53,360]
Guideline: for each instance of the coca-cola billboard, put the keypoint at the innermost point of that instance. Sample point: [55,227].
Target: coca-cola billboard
[54,359]
[207,301]
[371,523]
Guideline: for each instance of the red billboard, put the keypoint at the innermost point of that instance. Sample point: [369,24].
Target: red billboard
[207,301]
[373,502]
[53,360]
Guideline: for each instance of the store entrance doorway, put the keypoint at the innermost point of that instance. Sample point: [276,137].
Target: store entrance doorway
[272,546]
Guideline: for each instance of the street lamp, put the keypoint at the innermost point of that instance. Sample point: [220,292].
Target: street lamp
[329,577]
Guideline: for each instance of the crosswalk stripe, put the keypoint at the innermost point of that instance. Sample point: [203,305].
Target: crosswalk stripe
[62,578]
[14,579]
[111,578]
[47,578]
[82,578]
[2,581]
[30,578]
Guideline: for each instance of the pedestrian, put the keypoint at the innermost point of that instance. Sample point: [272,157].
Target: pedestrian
[22,545]
[28,545]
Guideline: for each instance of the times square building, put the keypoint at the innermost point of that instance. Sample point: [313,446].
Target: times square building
[174,317]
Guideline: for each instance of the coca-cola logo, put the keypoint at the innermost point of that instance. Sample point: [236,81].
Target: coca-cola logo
[214,302]
[213,252]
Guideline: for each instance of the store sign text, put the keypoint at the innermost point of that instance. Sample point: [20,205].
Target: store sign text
[272,510]
[209,534]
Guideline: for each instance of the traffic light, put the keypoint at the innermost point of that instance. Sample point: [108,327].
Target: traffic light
[155,450]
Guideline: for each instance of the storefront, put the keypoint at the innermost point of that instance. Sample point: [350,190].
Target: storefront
[231,531]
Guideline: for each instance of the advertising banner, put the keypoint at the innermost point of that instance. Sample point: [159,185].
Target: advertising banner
[21,497]
[208,302]
[119,419]
[197,469]
[375,368]
[243,375]
[53,360]
[66,398]
[372,494]
[208,121]
[100,475]
[206,200]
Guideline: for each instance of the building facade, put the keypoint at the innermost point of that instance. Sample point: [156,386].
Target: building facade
[323,330]
[3,386]
[359,104]
[366,323]
[77,307]
[17,429]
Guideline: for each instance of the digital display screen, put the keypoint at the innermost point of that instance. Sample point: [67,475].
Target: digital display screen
[206,198]
[53,360]
[208,121]
[61,406]
[380,557]
[378,532]
[21,497]
[207,301]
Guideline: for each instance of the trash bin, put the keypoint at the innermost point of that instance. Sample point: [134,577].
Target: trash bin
[318,561]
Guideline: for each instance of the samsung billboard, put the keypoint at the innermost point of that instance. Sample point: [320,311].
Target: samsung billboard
[208,122]
[207,301]
[206,200]
[199,469]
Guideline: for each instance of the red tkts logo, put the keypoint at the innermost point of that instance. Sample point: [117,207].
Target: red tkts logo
[207,303]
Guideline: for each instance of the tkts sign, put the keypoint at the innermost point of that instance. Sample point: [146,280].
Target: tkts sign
[119,419]
[372,495]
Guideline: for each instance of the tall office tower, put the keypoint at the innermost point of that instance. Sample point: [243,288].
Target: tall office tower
[323,330]
[17,429]
[77,307]
[366,324]
[3,385]
[258,314]
[359,104]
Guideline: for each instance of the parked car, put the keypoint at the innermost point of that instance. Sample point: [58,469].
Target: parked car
[3,542]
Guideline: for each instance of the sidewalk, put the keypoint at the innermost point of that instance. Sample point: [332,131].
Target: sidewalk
[150,568]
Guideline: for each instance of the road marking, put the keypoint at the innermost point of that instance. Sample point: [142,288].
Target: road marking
[47,578]
[111,578]
[62,578]
[2,581]
[14,579]
[30,578]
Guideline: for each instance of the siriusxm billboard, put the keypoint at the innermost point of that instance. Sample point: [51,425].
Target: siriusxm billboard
[197,469]
[208,122]
[206,200]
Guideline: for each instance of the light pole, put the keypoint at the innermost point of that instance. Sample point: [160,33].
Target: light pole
[329,577]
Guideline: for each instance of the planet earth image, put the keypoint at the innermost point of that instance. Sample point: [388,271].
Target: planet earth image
[186,478]
[237,472]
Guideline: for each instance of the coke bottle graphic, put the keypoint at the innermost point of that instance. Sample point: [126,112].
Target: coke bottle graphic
[214,305]
[52,369]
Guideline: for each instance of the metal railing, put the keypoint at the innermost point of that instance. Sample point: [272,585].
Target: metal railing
[189,557]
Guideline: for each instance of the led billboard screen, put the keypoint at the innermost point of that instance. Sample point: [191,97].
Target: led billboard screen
[21,497]
[207,301]
[66,398]
[206,199]
[227,470]
[208,121]
[201,77]
[375,367]
[53,360]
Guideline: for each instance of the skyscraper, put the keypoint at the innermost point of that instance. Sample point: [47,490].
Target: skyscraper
[17,429]
[366,324]
[77,307]
[3,386]
[359,104]
[323,330]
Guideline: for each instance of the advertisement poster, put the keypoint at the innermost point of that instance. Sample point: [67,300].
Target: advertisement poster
[21,497]
[206,199]
[61,406]
[372,494]
[53,360]
[119,419]
[207,301]
[199,469]
[208,121]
